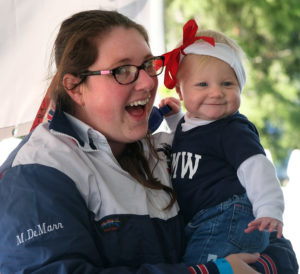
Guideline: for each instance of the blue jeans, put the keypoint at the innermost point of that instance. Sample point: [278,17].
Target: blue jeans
[219,231]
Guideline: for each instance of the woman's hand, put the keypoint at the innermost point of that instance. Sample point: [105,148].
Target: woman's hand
[239,262]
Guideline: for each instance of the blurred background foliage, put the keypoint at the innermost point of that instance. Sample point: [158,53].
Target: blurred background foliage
[269,33]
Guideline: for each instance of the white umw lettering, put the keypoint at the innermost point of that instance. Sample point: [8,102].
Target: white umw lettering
[175,159]
[189,164]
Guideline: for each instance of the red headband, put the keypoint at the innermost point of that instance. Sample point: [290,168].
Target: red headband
[172,57]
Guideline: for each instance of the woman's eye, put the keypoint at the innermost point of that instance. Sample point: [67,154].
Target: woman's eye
[124,70]
[202,84]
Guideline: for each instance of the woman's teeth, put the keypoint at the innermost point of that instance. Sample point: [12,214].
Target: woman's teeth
[139,103]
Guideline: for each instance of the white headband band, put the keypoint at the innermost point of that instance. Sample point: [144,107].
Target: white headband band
[220,51]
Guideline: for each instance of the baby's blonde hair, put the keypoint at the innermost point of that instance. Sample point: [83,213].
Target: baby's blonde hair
[219,38]
[222,38]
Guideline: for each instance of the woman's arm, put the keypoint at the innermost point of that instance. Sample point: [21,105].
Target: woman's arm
[279,257]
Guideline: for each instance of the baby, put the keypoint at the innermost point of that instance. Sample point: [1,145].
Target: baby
[227,188]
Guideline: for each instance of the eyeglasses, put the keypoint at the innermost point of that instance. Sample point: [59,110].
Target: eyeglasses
[127,74]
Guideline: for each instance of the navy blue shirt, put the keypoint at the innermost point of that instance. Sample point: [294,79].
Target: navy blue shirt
[205,160]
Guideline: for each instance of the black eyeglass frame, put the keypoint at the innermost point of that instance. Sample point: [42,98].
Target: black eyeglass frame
[114,71]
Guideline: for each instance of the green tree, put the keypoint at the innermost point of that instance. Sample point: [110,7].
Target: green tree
[269,33]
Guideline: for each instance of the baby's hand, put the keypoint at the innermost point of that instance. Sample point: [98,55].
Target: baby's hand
[173,102]
[265,223]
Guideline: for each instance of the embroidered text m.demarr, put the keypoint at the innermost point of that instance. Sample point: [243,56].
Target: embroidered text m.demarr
[37,231]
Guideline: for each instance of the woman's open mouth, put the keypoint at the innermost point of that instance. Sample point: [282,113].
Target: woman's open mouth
[137,108]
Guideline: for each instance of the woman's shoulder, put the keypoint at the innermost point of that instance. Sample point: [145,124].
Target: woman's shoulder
[43,147]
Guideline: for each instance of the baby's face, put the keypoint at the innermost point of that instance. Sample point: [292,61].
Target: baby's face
[208,87]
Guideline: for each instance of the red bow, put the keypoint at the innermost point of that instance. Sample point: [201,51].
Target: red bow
[172,57]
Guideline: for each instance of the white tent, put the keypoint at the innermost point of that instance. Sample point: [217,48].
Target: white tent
[28,29]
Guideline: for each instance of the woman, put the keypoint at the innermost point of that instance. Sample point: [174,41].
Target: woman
[87,193]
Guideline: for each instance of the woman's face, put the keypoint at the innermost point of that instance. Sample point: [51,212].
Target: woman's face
[120,112]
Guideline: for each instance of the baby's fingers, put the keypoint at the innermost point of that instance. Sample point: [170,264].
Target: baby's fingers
[276,225]
[252,226]
[271,225]
[265,225]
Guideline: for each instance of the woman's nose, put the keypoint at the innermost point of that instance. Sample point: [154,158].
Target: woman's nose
[144,81]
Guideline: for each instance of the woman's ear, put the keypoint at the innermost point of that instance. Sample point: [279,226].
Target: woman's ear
[70,83]
[178,91]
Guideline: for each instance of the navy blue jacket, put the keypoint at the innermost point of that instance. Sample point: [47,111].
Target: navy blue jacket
[67,207]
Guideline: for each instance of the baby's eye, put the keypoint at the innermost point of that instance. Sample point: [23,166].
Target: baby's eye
[227,83]
[202,84]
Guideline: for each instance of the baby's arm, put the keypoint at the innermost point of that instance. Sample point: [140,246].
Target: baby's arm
[257,174]
[169,108]
[173,117]
[173,103]
[266,223]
